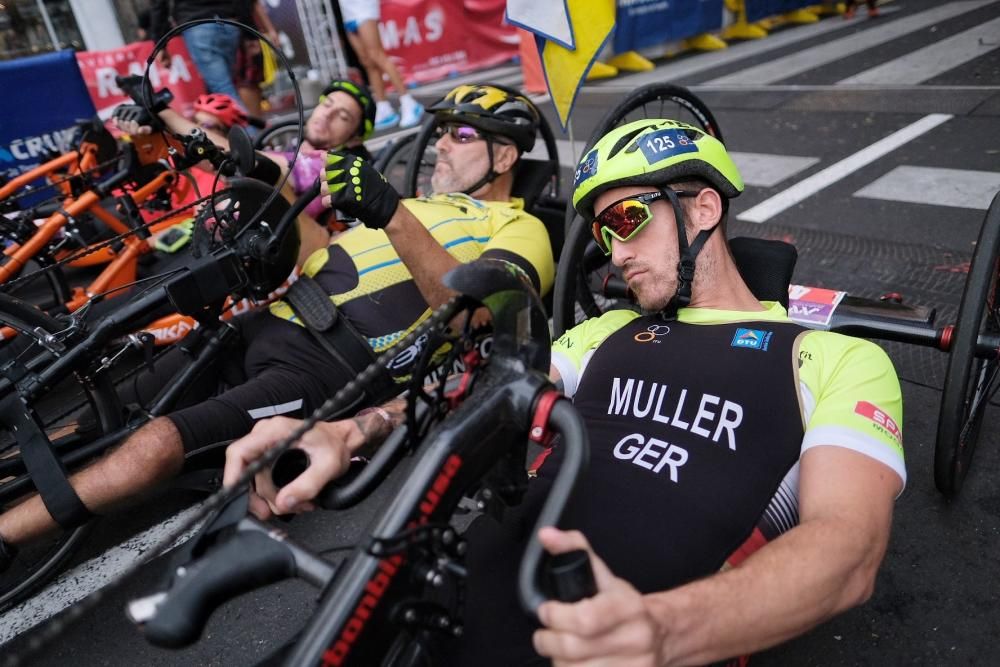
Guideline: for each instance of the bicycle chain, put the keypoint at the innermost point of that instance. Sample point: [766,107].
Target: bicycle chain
[89,250]
[332,406]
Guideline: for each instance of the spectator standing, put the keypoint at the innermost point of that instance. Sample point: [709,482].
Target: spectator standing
[249,72]
[361,23]
[212,46]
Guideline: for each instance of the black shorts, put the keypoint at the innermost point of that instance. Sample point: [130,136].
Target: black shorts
[276,368]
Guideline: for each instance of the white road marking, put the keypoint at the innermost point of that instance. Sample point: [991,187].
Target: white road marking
[734,53]
[838,49]
[963,188]
[766,170]
[758,169]
[930,61]
[87,577]
[771,207]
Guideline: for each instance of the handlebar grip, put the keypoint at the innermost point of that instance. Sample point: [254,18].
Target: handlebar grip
[571,578]
[293,463]
[247,561]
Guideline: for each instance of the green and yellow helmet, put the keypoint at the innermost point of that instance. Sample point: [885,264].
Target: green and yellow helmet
[492,110]
[653,152]
[363,97]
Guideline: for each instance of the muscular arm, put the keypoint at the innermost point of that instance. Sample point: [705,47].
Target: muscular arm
[426,259]
[817,570]
[825,565]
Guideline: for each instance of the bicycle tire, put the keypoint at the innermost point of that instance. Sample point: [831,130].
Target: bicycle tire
[971,378]
[38,563]
[571,286]
[392,162]
[278,137]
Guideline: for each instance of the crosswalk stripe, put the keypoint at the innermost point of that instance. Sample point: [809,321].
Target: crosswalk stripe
[734,53]
[87,577]
[766,170]
[758,169]
[962,188]
[771,207]
[817,56]
[928,62]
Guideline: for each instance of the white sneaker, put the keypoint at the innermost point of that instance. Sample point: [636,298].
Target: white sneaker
[385,117]
[410,110]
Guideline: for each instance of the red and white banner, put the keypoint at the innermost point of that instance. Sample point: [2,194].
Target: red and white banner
[99,69]
[430,40]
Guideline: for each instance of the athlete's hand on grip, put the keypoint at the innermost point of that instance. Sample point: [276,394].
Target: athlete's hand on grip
[329,458]
[356,188]
[134,119]
[611,628]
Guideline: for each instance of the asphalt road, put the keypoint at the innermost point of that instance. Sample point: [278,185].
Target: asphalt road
[900,217]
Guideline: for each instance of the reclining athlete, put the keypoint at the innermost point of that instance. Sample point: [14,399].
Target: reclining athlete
[743,469]
[343,120]
[384,277]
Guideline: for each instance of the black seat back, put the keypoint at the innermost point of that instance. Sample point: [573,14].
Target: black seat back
[531,178]
[766,266]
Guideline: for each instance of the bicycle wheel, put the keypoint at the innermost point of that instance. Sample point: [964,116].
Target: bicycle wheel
[74,412]
[280,137]
[971,379]
[581,263]
[393,159]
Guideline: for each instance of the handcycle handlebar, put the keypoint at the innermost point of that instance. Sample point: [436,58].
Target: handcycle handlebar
[132,86]
[571,579]
[479,449]
[356,484]
[255,555]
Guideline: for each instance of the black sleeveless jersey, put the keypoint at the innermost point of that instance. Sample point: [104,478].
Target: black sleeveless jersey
[692,429]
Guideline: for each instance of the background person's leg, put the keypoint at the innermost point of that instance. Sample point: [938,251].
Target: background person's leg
[409,109]
[213,48]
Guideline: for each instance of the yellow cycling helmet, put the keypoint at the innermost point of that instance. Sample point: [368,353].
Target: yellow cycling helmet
[493,110]
[653,152]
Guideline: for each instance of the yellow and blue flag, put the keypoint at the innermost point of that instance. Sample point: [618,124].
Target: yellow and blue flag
[570,35]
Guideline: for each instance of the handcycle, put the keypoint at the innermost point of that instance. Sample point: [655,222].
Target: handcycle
[585,286]
[399,592]
[58,404]
[140,179]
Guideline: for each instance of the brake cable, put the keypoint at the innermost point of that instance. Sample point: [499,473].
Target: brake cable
[332,406]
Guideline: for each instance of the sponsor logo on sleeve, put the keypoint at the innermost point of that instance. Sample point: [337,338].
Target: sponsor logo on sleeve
[753,339]
[880,418]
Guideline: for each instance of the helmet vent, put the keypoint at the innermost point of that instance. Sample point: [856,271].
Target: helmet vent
[625,139]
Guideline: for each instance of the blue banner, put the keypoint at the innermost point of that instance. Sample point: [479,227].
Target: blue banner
[43,97]
[761,9]
[644,23]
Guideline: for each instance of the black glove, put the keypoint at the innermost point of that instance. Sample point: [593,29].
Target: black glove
[137,114]
[358,190]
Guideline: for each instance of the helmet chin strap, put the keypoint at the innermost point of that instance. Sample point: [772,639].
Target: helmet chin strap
[686,261]
[490,175]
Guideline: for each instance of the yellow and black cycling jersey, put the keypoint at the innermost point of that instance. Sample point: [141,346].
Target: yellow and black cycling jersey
[371,286]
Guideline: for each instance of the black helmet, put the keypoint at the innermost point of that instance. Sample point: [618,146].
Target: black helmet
[493,110]
[363,97]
